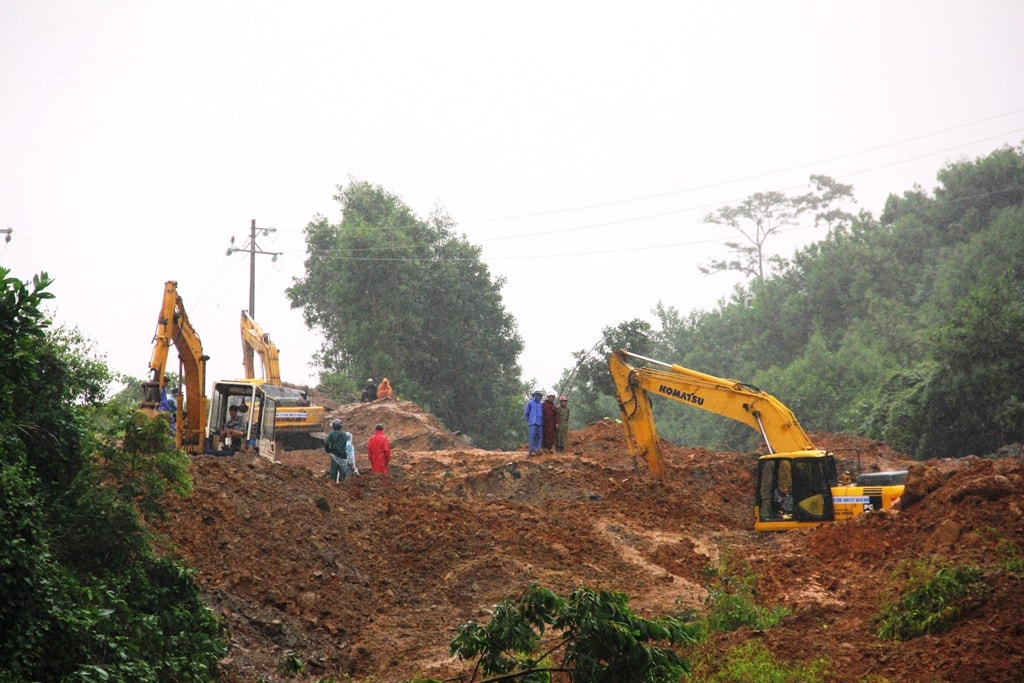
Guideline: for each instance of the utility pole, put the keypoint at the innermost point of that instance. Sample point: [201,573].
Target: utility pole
[253,249]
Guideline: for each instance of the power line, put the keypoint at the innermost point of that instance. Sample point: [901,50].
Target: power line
[797,167]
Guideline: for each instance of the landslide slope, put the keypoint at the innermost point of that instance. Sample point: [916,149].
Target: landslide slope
[371,577]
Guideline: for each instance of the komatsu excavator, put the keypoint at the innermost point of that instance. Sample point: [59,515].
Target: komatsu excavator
[299,423]
[199,423]
[796,483]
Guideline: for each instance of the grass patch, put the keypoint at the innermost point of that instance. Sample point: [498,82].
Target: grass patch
[932,601]
[1007,553]
[753,662]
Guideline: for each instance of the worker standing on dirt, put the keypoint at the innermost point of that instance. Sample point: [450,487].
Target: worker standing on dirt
[549,412]
[379,450]
[562,424]
[534,416]
[338,445]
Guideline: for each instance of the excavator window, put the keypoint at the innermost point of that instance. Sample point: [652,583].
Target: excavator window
[797,489]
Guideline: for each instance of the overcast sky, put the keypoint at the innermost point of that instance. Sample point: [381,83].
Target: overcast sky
[580,144]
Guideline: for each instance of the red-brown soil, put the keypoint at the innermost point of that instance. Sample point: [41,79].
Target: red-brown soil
[370,578]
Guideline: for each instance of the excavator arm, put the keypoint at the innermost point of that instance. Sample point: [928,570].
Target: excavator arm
[256,341]
[173,328]
[727,397]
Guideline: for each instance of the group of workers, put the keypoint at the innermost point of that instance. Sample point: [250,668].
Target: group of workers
[342,452]
[372,392]
[547,424]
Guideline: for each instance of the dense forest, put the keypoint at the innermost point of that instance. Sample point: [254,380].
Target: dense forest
[908,328]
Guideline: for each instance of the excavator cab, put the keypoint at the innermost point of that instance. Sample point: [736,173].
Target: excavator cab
[259,411]
[794,490]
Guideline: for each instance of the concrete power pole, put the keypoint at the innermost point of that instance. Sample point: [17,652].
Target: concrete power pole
[253,249]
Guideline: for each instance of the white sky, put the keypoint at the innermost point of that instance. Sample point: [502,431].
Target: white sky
[579,143]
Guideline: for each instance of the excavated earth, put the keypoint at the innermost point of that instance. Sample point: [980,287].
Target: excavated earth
[370,578]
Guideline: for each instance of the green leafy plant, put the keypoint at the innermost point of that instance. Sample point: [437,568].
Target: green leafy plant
[593,635]
[932,601]
[291,665]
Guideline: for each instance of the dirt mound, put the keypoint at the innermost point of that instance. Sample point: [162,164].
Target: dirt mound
[407,426]
[371,577]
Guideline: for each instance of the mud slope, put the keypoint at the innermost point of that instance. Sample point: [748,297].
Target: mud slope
[371,577]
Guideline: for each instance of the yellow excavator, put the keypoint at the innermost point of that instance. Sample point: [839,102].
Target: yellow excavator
[299,423]
[198,423]
[796,484]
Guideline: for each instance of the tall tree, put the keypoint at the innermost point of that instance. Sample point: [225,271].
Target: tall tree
[764,214]
[397,295]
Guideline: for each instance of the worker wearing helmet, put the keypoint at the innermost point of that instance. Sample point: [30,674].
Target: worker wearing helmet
[533,413]
[369,394]
[338,445]
[562,424]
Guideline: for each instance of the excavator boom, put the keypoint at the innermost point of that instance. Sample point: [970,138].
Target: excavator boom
[199,422]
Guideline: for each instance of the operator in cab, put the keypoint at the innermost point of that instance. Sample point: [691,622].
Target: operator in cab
[235,426]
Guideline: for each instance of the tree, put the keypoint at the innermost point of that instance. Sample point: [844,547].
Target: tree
[407,298]
[764,214]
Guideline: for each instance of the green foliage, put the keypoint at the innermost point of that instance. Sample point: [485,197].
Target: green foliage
[732,599]
[594,635]
[932,600]
[291,665]
[752,662]
[136,456]
[1008,554]
[398,296]
[593,395]
[82,596]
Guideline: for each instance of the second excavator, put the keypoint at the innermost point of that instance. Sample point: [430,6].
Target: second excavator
[299,423]
[796,483]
